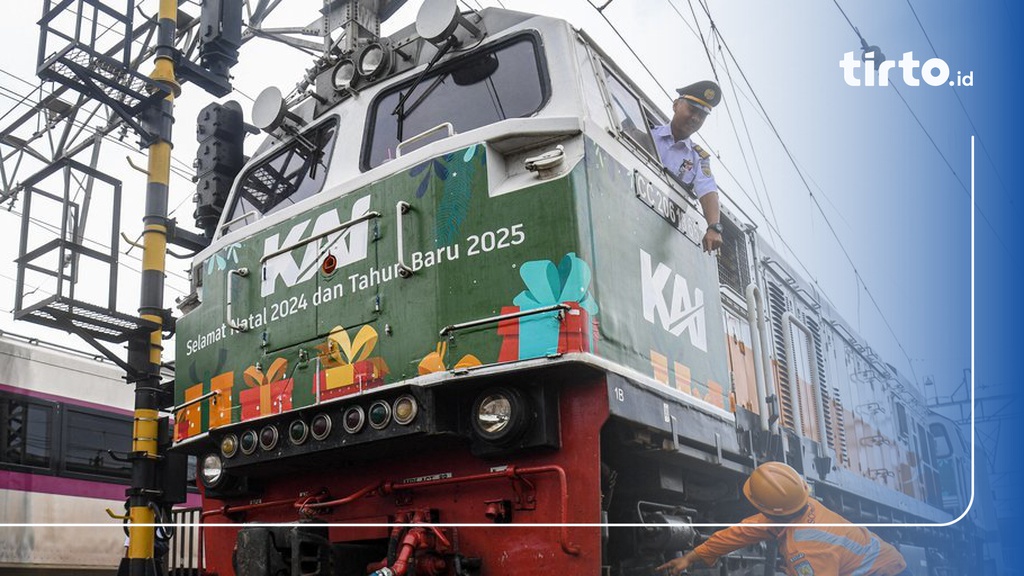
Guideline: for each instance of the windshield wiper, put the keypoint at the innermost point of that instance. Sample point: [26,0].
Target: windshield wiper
[400,110]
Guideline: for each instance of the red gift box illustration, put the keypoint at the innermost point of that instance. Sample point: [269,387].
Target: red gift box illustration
[349,366]
[434,362]
[268,393]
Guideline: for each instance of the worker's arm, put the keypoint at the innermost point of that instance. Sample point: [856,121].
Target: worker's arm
[709,206]
[735,537]
[719,544]
[677,565]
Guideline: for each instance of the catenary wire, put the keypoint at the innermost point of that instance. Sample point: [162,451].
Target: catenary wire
[956,93]
[814,199]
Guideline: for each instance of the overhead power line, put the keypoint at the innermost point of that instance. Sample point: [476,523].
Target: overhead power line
[956,93]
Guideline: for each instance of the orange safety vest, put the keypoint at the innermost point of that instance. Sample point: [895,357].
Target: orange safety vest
[812,550]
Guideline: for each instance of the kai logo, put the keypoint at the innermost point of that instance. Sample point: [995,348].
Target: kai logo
[348,246]
[682,312]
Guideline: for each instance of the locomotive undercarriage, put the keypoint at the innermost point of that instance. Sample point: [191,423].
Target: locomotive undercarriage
[655,481]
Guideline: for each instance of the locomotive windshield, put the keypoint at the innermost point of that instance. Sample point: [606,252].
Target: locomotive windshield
[487,87]
[294,173]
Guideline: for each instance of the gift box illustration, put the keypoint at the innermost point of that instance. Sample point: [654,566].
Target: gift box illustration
[189,421]
[557,332]
[434,362]
[349,363]
[267,393]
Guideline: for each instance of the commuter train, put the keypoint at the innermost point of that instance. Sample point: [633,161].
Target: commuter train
[65,432]
[65,427]
[455,320]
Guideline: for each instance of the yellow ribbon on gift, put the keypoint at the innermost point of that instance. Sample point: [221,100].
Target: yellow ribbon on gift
[254,378]
[434,362]
[343,350]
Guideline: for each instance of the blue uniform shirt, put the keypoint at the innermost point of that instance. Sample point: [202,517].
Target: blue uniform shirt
[687,161]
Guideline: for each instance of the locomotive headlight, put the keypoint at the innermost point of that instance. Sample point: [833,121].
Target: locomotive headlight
[344,74]
[380,414]
[212,470]
[373,60]
[229,445]
[405,409]
[500,415]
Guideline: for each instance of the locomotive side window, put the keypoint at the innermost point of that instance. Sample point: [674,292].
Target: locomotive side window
[506,82]
[88,437]
[733,266]
[901,420]
[630,117]
[943,447]
[26,432]
[294,173]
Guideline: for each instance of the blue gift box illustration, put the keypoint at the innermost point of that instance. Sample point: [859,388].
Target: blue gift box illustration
[546,333]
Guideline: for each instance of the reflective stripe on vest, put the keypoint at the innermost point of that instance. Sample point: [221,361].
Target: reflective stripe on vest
[869,552]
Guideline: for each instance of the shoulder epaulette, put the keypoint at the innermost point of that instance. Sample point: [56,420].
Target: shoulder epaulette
[703,153]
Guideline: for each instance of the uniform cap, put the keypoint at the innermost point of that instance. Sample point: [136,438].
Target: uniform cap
[776,489]
[704,94]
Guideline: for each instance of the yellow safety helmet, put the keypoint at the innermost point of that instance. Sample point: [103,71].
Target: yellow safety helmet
[776,489]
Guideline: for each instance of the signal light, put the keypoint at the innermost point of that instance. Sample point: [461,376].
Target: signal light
[354,419]
[220,131]
[298,431]
[229,446]
[268,437]
[379,414]
[405,409]
[330,264]
[320,427]
[248,442]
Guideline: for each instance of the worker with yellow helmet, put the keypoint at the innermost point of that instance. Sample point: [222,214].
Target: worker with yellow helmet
[782,496]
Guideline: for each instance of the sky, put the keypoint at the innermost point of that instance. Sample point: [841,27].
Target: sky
[865,189]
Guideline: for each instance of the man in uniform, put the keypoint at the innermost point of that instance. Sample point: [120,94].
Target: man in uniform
[783,497]
[688,162]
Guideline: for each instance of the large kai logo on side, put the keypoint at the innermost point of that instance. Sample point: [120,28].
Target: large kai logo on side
[348,246]
[681,313]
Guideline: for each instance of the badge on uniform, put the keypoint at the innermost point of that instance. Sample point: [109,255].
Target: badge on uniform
[804,569]
[705,167]
[687,164]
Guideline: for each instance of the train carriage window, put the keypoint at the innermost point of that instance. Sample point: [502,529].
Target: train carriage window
[294,173]
[26,433]
[508,81]
[629,114]
[89,435]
